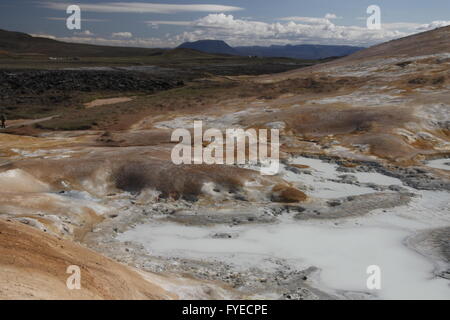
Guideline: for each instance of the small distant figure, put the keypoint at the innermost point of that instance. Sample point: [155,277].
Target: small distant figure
[3,121]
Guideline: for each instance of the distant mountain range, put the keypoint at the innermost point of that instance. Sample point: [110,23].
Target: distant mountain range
[303,51]
[12,43]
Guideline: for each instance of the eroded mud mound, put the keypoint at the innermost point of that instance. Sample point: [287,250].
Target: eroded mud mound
[118,170]
[323,121]
[176,181]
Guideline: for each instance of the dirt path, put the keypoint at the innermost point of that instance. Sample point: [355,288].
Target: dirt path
[104,102]
[26,122]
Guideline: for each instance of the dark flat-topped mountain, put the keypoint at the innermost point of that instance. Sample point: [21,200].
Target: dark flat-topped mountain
[210,46]
[304,51]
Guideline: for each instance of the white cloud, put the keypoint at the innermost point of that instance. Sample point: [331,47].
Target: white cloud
[172,23]
[312,20]
[414,27]
[43,35]
[142,7]
[331,16]
[82,20]
[122,35]
[86,33]
[400,26]
[302,30]
[307,20]
[433,25]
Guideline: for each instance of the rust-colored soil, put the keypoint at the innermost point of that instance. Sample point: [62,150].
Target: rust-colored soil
[33,266]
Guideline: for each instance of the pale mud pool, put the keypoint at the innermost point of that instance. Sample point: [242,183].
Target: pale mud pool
[341,249]
[443,164]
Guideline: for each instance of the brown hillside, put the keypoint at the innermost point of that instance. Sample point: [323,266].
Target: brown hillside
[33,266]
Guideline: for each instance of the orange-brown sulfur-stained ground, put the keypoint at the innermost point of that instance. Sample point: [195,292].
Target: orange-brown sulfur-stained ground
[34,264]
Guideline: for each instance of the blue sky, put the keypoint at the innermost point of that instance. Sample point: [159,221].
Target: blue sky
[244,22]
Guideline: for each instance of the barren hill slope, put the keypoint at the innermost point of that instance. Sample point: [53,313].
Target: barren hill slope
[426,43]
[22,43]
[429,42]
[38,263]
